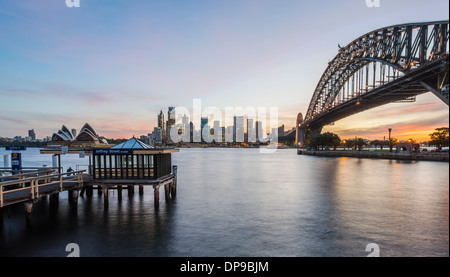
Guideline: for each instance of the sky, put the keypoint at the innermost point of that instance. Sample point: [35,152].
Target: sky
[117,63]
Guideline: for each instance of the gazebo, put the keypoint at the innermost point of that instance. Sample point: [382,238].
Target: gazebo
[132,159]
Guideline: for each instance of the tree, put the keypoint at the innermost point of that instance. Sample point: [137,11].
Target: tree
[360,143]
[377,143]
[324,140]
[331,140]
[440,138]
[392,142]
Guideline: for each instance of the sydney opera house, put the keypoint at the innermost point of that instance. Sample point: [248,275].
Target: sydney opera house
[86,137]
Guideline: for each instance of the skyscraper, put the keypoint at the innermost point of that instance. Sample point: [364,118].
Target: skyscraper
[238,129]
[32,134]
[281,130]
[204,124]
[161,120]
[217,131]
[170,122]
[250,131]
[259,131]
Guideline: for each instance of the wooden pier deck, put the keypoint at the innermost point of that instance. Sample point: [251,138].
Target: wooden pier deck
[25,187]
[28,187]
[104,185]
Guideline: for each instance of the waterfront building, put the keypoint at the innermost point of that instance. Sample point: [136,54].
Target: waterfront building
[229,134]
[132,159]
[86,137]
[259,131]
[281,131]
[191,132]
[161,122]
[32,135]
[74,132]
[204,123]
[170,122]
[238,129]
[217,132]
[251,135]
[156,136]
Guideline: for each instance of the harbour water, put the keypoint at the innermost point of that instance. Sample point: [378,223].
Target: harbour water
[239,202]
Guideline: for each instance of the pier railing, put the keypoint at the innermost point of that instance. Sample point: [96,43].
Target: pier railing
[29,188]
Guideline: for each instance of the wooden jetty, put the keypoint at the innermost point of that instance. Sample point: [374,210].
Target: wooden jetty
[129,164]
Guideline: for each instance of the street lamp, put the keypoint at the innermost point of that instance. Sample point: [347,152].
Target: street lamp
[390,142]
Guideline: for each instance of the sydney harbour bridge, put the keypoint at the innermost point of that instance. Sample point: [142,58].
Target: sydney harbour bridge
[391,64]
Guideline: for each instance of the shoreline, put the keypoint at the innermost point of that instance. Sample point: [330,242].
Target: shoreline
[435,157]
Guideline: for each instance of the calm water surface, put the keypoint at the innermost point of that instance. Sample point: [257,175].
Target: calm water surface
[238,202]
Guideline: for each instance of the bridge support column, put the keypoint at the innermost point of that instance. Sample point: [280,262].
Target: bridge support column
[141,189]
[99,190]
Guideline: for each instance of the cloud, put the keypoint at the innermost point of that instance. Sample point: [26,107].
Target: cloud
[13,120]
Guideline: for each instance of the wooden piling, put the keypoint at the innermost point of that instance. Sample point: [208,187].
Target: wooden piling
[54,201]
[141,189]
[119,192]
[28,207]
[70,195]
[156,196]
[99,188]
[130,190]
[106,196]
[90,190]
[75,194]
[167,191]
[173,188]
[83,189]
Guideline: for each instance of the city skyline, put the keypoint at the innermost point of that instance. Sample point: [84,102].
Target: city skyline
[116,65]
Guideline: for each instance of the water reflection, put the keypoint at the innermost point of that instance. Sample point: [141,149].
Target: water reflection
[237,202]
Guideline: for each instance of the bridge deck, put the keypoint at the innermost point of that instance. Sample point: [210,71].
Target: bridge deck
[407,86]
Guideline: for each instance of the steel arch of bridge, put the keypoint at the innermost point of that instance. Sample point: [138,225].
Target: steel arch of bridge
[387,65]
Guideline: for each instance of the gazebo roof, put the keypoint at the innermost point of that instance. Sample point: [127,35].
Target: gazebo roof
[133,144]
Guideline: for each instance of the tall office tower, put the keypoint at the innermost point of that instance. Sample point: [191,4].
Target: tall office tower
[251,135]
[281,131]
[204,124]
[186,128]
[161,123]
[185,120]
[238,129]
[170,122]
[217,132]
[32,134]
[191,131]
[274,135]
[259,131]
